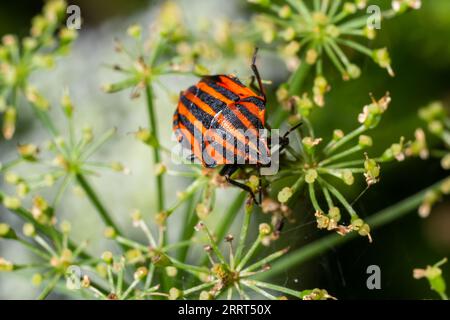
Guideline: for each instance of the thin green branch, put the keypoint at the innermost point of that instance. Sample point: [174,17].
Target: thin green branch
[375,221]
[104,214]
[244,232]
[49,288]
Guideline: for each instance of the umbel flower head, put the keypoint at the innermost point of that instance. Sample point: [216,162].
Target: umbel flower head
[322,168]
[320,33]
[19,58]
[151,57]
[437,124]
[64,157]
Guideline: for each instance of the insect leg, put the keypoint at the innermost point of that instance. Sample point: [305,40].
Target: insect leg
[284,140]
[252,81]
[227,171]
[257,75]
[292,129]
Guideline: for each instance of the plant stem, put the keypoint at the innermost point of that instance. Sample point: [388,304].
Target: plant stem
[341,155]
[377,220]
[156,153]
[277,288]
[332,147]
[198,288]
[190,220]
[46,230]
[229,216]
[244,232]
[48,289]
[265,260]
[226,222]
[295,83]
[104,214]
[340,197]
[249,254]
[258,290]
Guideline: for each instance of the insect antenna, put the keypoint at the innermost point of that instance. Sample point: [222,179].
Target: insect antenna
[257,75]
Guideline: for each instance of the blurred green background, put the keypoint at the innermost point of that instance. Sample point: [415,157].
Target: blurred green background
[419,43]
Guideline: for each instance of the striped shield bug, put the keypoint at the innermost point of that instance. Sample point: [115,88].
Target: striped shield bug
[221,122]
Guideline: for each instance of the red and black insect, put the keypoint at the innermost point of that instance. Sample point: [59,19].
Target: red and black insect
[220,120]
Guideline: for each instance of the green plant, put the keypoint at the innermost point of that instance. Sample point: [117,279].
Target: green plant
[229,266]
[434,276]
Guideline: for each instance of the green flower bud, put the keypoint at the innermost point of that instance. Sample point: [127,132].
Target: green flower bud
[445,186]
[285,12]
[357,223]
[282,93]
[175,294]
[28,152]
[369,33]
[12,178]
[264,229]
[354,71]
[361,4]
[67,36]
[88,135]
[206,295]
[372,171]
[285,194]
[436,127]
[304,104]
[7,232]
[43,61]
[311,56]
[291,48]
[335,214]
[119,167]
[29,230]
[322,220]
[365,141]
[136,216]
[12,203]
[288,34]
[333,31]
[262,3]
[140,273]
[338,135]
[135,31]
[9,122]
[29,43]
[5,265]
[349,8]
[66,227]
[434,111]
[382,58]
[347,177]
[310,143]
[107,256]
[159,258]
[311,176]
[36,280]
[36,98]
[67,104]
[171,271]
[364,230]
[202,211]
[109,233]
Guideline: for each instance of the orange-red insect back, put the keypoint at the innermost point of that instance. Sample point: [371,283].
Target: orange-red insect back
[220,121]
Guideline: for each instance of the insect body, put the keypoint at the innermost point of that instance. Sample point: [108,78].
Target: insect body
[220,121]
